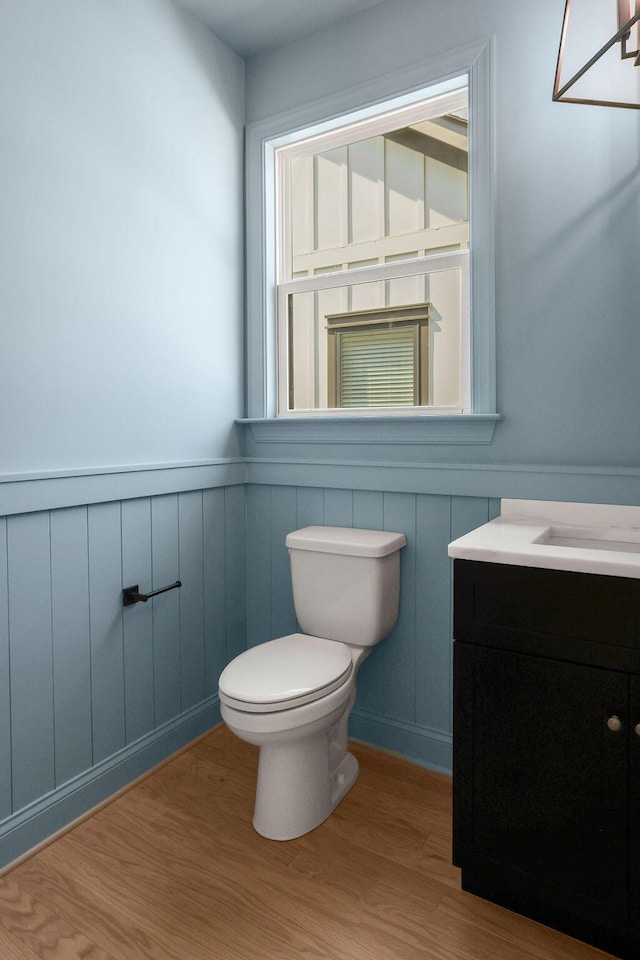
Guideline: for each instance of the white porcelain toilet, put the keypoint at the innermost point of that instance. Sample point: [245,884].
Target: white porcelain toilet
[292,696]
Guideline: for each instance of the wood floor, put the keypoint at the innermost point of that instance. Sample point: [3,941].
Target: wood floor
[173,870]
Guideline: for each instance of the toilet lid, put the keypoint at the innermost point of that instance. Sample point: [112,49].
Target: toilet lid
[283,673]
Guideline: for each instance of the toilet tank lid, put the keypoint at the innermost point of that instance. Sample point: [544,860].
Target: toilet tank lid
[348,541]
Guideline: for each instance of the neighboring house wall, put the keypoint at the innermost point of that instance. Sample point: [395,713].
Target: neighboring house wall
[369,203]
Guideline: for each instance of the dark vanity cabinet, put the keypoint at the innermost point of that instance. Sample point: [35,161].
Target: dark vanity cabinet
[547,747]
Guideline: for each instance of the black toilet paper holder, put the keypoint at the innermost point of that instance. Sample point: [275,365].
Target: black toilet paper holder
[131,595]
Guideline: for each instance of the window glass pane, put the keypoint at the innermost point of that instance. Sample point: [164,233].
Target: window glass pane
[327,327]
[401,193]
[354,200]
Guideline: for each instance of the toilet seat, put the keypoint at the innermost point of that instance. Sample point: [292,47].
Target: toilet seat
[285,673]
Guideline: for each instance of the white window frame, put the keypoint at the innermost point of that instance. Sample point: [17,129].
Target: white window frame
[444,98]
[402,89]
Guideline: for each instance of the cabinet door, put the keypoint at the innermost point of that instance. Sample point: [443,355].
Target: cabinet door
[634,811]
[540,780]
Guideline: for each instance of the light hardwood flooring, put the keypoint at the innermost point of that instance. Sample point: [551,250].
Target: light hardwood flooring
[173,870]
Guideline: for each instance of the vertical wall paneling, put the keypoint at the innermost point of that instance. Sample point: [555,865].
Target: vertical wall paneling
[433,612]
[81,677]
[92,692]
[467,513]
[368,509]
[338,508]
[137,619]
[283,511]
[107,645]
[31,654]
[166,607]
[191,598]
[71,642]
[5,697]
[309,507]
[258,565]
[404,687]
[387,681]
[400,516]
[236,572]
[214,573]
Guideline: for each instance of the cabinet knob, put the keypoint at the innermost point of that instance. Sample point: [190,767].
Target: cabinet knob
[615,724]
[637,729]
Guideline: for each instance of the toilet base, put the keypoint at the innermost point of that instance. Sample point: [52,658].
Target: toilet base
[298,787]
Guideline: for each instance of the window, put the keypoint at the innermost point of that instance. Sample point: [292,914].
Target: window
[308,273]
[372,220]
[379,358]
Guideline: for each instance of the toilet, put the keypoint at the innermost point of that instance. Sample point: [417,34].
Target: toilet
[292,696]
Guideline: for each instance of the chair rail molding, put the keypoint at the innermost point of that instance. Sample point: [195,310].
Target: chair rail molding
[28,492]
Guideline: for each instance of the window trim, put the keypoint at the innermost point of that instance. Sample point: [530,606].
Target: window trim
[474,60]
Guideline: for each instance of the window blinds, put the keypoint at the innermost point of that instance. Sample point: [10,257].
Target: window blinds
[377,368]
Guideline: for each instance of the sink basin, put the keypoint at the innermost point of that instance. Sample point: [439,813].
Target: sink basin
[587,543]
[613,539]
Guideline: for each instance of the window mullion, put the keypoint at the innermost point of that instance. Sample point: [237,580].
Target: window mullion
[387,271]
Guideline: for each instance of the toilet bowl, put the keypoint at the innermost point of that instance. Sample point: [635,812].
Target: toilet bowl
[301,690]
[292,696]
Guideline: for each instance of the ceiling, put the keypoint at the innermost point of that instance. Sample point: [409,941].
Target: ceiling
[251,26]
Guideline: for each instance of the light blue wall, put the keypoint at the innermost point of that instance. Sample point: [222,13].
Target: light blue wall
[121,344]
[120,236]
[568,222]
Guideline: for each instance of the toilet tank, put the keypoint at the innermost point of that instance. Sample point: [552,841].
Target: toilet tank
[346,582]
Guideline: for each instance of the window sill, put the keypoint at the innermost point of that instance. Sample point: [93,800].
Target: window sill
[462,428]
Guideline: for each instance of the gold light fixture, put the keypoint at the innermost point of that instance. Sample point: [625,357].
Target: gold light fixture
[599,55]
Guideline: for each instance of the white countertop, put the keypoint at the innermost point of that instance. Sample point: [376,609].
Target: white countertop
[583,537]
